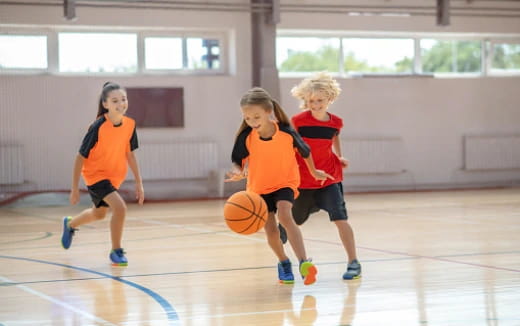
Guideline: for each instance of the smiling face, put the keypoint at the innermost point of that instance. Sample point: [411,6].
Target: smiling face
[318,102]
[256,116]
[116,102]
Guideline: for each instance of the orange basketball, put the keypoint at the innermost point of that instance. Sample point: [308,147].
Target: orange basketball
[245,212]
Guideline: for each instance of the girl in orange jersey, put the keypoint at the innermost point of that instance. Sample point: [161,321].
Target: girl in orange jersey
[103,157]
[264,152]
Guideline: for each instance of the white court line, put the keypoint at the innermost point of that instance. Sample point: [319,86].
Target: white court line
[60,303]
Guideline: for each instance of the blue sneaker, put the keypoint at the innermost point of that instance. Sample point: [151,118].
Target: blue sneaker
[68,233]
[308,271]
[285,275]
[117,256]
[353,270]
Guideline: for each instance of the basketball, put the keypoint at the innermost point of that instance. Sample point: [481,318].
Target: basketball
[245,212]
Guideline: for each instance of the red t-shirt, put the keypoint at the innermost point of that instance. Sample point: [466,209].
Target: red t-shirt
[319,136]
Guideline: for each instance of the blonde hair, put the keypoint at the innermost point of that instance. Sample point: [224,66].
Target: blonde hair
[321,81]
[259,96]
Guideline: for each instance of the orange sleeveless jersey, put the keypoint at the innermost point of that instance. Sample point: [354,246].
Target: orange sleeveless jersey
[271,162]
[105,147]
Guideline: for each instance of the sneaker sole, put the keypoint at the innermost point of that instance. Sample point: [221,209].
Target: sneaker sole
[308,271]
[119,264]
[286,282]
[352,278]
[65,220]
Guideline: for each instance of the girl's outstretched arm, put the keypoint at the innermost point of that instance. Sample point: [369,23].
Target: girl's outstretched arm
[76,171]
[134,166]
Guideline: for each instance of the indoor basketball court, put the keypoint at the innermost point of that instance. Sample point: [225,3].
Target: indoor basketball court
[429,102]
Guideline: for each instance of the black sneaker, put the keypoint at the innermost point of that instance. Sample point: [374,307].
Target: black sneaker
[353,270]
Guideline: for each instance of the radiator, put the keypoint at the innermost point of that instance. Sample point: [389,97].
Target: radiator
[11,164]
[374,156]
[492,152]
[178,160]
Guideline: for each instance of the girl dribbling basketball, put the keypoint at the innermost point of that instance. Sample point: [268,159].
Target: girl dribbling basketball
[264,153]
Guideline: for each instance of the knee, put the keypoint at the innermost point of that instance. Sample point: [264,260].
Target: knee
[119,209]
[99,214]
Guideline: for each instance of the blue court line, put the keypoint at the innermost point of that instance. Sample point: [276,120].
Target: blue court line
[410,257]
[194,272]
[173,318]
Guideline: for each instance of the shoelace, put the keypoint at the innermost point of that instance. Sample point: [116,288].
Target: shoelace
[119,252]
[286,268]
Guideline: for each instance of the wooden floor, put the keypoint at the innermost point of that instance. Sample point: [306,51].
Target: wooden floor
[429,258]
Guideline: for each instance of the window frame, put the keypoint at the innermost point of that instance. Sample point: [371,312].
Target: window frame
[483,38]
[489,43]
[52,34]
[29,71]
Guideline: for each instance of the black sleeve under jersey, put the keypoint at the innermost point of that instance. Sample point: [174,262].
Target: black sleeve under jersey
[91,138]
[134,142]
[298,142]
[240,151]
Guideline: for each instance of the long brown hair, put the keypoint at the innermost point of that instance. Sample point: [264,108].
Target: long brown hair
[107,88]
[259,96]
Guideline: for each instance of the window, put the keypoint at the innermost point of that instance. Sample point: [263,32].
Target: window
[163,53]
[23,52]
[307,54]
[505,57]
[451,56]
[378,55]
[97,52]
[203,53]
[182,53]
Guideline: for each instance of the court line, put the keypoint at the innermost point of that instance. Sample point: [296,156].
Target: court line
[60,303]
[439,258]
[232,269]
[195,272]
[173,318]
[47,235]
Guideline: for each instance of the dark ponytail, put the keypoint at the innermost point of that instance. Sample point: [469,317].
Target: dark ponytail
[107,88]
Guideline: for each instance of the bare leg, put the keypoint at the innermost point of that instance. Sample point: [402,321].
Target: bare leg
[273,237]
[293,231]
[118,206]
[88,216]
[347,238]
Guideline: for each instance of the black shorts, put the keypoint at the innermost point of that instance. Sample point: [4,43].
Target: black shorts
[281,194]
[100,190]
[330,199]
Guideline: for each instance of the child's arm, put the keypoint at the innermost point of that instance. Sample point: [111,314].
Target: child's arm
[305,151]
[317,174]
[337,149]
[76,171]
[134,166]
[239,157]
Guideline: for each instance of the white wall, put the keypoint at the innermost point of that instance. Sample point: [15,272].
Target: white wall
[49,114]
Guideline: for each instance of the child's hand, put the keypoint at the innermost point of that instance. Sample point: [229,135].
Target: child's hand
[74,196]
[236,174]
[139,193]
[322,175]
[344,162]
